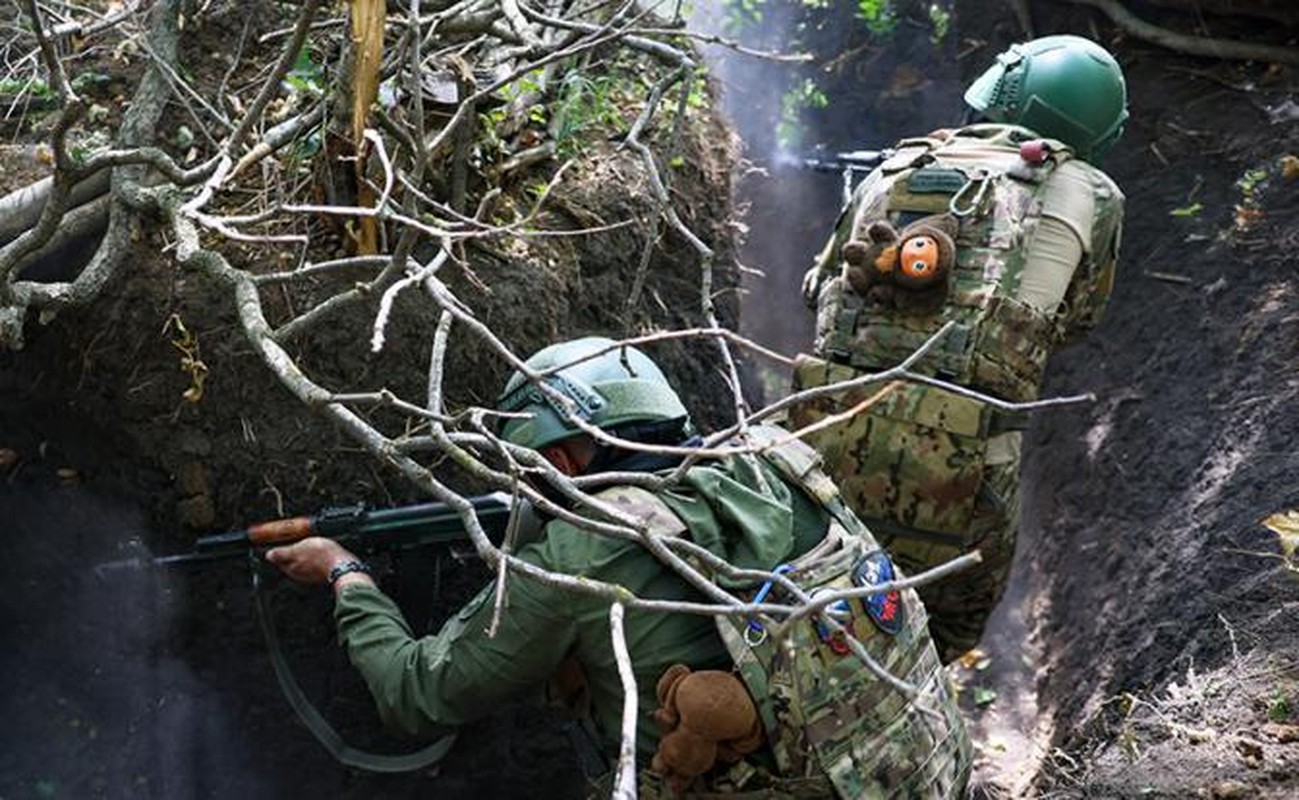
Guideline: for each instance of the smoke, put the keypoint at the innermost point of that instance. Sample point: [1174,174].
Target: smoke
[877,88]
[96,702]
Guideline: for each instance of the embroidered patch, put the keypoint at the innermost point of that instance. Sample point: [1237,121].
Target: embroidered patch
[885,610]
[835,639]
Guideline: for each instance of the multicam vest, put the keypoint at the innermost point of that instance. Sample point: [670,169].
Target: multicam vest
[998,344]
[833,726]
[916,457]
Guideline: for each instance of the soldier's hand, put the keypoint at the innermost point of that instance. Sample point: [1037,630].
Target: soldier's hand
[311,560]
[811,286]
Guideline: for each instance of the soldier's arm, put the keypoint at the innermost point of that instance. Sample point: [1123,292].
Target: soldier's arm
[421,686]
[1069,265]
[825,265]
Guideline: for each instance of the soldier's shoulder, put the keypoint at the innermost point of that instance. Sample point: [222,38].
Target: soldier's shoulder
[1105,189]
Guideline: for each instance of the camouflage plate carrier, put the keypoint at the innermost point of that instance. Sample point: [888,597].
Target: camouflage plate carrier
[916,466]
[834,728]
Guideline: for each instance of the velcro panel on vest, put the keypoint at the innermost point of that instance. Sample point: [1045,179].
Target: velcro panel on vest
[871,339]
[927,190]
[915,458]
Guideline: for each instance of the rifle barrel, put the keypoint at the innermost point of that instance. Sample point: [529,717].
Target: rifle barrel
[367,531]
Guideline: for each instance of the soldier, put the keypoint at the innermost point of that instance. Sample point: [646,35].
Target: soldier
[1007,229]
[822,725]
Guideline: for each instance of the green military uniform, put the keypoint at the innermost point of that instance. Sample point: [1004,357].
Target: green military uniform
[933,473]
[745,510]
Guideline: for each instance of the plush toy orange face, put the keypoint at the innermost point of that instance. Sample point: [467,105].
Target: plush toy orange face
[920,256]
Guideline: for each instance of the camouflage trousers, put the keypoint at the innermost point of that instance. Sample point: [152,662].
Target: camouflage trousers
[934,476]
[760,785]
[960,604]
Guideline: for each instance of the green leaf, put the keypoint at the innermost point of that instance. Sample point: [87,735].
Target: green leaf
[984,696]
[1193,210]
[1278,710]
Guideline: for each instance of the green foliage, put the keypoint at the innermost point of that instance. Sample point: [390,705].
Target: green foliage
[306,75]
[1278,708]
[941,20]
[32,86]
[584,105]
[880,16]
[1250,182]
[984,696]
[789,130]
[742,13]
[1193,210]
[90,82]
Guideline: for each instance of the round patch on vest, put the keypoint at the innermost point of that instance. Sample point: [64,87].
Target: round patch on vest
[884,609]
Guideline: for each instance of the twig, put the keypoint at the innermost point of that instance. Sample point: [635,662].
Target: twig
[1192,45]
[625,787]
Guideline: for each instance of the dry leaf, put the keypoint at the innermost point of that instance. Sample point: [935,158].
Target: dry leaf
[1285,524]
[1283,733]
[1289,167]
[972,658]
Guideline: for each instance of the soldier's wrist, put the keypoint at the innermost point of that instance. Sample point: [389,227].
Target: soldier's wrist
[349,572]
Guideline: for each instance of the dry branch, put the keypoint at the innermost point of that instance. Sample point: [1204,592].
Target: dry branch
[1192,45]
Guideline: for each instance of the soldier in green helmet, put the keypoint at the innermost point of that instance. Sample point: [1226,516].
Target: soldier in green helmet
[1008,230]
[821,724]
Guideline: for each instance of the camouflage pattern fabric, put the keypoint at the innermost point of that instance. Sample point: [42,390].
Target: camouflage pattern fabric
[915,466]
[833,728]
[1000,345]
[825,712]
[830,715]
[756,783]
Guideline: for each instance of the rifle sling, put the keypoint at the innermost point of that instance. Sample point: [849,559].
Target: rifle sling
[316,722]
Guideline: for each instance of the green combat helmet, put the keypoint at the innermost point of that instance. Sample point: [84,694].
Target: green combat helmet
[1062,87]
[610,390]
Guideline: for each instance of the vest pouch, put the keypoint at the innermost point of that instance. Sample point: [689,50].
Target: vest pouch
[915,458]
[1010,353]
[828,715]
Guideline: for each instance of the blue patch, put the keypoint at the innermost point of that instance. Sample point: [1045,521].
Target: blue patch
[885,609]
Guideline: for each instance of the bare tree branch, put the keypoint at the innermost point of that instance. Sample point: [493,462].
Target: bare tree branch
[1192,45]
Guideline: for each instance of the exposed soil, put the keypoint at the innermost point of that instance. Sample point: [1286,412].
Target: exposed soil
[1147,644]
[1144,649]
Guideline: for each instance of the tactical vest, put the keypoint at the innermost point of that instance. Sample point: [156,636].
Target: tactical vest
[998,345]
[914,463]
[828,718]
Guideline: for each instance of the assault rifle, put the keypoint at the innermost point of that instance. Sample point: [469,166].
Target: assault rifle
[362,531]
[357,528]
[850,164]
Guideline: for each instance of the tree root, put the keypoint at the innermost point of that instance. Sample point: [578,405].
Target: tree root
[1191,45]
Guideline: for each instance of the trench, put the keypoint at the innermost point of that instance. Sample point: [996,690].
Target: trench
[904,84]
[144,683]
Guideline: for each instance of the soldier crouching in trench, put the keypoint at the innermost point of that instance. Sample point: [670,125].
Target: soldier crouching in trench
[1006,230]
[723,712]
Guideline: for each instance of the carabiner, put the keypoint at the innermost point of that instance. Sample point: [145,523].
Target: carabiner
[982,180]
[754,633]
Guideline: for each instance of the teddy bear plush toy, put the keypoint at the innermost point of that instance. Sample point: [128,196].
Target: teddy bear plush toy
[908,270]
[706,717]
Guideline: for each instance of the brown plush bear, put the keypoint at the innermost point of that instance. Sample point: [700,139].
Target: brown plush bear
[872,260]
[706,717]
[926,257]
[908,270]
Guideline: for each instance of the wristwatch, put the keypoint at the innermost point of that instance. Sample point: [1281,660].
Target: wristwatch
[344,568]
